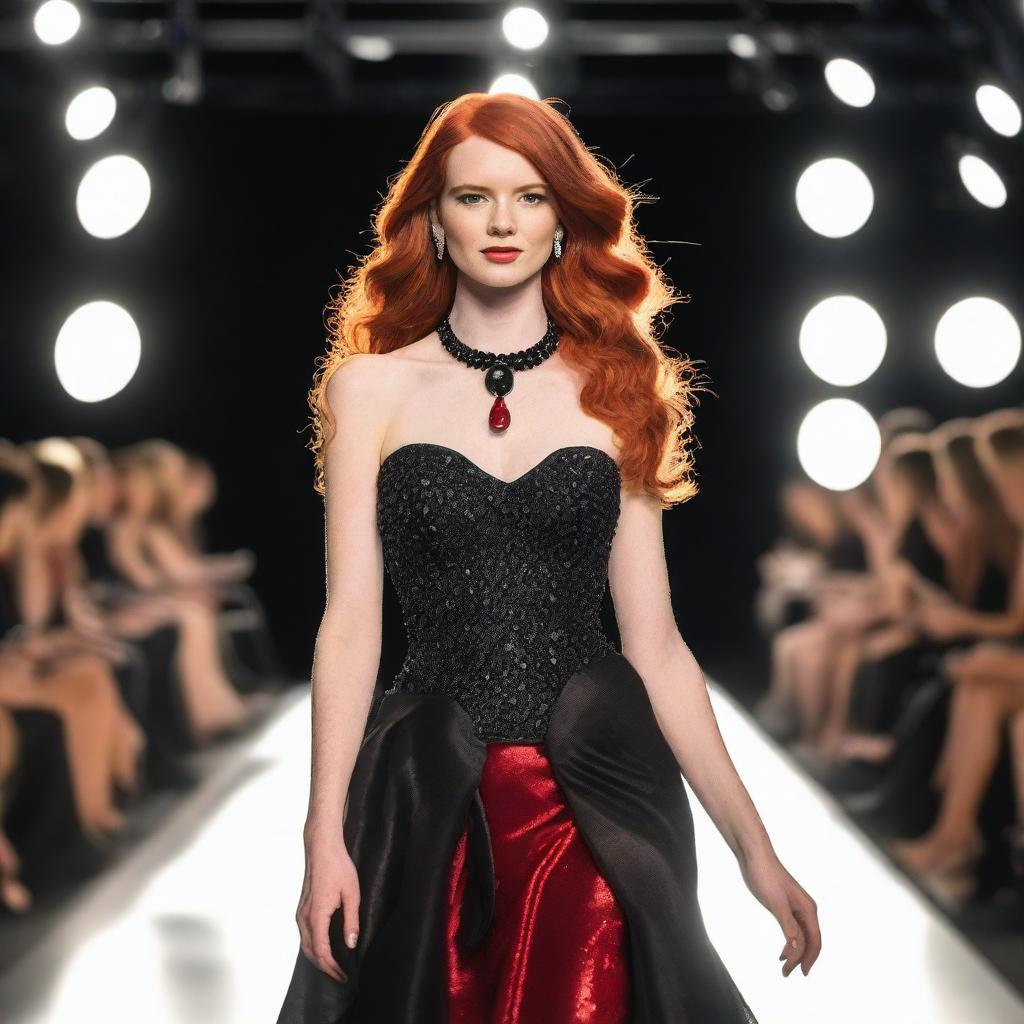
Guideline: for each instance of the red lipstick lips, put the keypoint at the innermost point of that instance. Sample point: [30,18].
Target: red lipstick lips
[501,253]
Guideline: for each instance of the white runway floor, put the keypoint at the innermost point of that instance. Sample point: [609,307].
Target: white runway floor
[197,925]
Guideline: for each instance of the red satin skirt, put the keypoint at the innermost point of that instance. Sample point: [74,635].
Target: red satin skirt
[557,949]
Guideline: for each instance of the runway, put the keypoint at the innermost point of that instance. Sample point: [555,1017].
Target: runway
[197,926]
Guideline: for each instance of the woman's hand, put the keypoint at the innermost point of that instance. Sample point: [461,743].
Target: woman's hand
[797,914]
[331,882]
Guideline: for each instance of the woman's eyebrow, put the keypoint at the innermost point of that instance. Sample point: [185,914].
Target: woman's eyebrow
[484,188]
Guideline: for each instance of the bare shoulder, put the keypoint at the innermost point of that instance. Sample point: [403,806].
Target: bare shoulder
[374,379]
[356,380]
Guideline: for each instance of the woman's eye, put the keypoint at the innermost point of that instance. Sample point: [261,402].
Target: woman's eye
[476,195]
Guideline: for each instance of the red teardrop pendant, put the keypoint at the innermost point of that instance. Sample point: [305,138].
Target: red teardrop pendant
[500,417]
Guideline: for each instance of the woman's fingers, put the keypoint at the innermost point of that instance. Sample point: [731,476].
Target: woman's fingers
[322,955]
[792,950]
[803,935]
[315,942]
[351,903]
[807,915]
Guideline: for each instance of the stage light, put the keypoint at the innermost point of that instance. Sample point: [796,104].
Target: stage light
[97,351]
[113,196]
[90,112]
[999,109]
[850,82]
[838,444]
[514,83]
[834,197]
[778,95]
[982,180]
[524,28]
[977,342]
[843,340]
[742,45]
[56,21]
[372,48]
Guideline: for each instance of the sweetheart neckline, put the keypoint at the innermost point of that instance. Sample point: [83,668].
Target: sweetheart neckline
[497,479]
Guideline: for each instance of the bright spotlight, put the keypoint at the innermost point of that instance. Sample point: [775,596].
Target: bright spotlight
[56,21]
[999,109]
[838,444]
[977,342]
[834,197]
[90,112]
[525,28]
[514,83]
[843,340]
[850,82]
[982,180]
[371,48]
[742,45]
[97,351]
[113,196]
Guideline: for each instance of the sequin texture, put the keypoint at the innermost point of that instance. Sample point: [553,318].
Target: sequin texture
[500,582]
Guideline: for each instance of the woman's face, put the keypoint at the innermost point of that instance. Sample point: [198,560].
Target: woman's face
[137,488]
[198,490]
[492,196]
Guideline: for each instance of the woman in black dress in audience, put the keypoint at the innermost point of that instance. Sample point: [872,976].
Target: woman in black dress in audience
[944,550]
[214,706]
[987,675]
[55,668]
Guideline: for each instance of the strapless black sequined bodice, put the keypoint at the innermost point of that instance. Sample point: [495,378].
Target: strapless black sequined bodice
[500,583]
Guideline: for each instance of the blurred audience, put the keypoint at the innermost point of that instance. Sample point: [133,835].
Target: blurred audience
[124,646]
[895,615]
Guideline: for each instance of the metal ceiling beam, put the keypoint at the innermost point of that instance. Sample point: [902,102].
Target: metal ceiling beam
[573,37]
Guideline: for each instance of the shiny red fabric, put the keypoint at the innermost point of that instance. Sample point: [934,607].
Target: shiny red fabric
[557,949]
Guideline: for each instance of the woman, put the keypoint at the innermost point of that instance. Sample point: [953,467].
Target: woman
[510,839]
[816,549]
[36,672]
[213,706]
[979,557]
[807,655]
[988,684]
[928,551]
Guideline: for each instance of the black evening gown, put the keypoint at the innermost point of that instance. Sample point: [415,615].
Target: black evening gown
[520,828]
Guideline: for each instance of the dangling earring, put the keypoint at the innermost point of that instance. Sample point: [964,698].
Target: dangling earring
[558,244]
[439,242]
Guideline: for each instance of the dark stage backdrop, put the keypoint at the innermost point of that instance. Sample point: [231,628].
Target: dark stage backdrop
[253,217]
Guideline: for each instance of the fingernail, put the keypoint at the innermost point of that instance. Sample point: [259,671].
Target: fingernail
[793,943]
[352,936]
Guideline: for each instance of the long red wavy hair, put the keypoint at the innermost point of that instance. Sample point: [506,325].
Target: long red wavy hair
[606,293]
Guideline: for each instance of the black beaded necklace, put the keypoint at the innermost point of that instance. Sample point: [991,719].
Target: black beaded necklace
[498,379]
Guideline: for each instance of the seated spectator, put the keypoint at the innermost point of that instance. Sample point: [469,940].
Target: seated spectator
[987,678]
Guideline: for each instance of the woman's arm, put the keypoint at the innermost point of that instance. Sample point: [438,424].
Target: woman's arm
[171,558]
[651,641]
[638,579]
[947,619]
[347,651]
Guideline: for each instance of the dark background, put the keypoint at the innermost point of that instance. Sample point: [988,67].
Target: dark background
[255,214]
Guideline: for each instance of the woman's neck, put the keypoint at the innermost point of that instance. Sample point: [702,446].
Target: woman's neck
[498,322]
